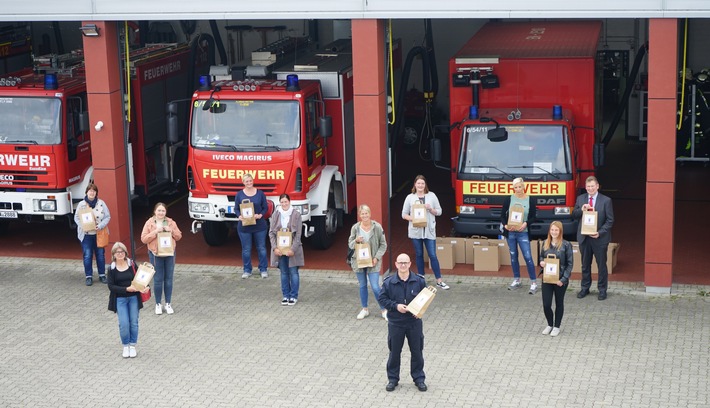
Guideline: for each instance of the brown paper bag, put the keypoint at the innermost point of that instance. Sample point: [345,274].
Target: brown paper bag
[363,256]
[419,215]
[589,222]
[421,302]
[87,220]
[551,273]
[515,215]
[284,240]
[246,209]
[144,275]
[165,244]
[102,238]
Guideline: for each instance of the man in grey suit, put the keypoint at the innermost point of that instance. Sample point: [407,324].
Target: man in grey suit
[598,243]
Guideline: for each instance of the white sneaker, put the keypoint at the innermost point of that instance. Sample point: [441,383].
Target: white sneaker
[246,275]
[292,302]
[363,314]
[284,302]
[132,351]
[442,285]
[555,332]
[547,330]
[158,309]
[169,308]
[384,315]
[533,288]
[126,352]
[515,285]
[264,275]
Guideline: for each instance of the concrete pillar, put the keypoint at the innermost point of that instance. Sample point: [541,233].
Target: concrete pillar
[660,167]
[371,163]
[107,145]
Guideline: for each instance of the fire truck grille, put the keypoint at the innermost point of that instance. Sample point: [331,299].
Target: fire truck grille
[233,188]
[23,178]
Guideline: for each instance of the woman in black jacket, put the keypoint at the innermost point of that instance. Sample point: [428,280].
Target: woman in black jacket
[556,245]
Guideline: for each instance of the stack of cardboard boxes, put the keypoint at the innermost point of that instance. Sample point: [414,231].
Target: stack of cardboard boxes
[611,256]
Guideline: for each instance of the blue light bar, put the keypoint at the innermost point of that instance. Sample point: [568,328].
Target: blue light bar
[205,83]
[50,81]
[292,83]
[473,112]
[557,112]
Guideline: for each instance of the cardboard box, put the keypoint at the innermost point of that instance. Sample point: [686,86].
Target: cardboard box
[534,251]
[576,258]
[503,251]
[445,254]
[459,246]
[611,257]
[486,258]
[470,243]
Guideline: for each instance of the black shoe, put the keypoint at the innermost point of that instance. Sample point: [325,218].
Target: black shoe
[102,278]
[89,281]
[602,296]
[421,386]
[582,293]
[391,386]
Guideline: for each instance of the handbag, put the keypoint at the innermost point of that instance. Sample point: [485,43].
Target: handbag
[145,296]
[349,256]
[102,238]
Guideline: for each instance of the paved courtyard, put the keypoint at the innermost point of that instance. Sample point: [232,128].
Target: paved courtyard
[231,344]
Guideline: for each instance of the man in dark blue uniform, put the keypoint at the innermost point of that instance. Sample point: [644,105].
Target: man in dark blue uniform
[397,291]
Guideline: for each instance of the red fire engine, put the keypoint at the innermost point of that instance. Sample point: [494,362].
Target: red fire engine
[45,145]
[279,130]
[524,103]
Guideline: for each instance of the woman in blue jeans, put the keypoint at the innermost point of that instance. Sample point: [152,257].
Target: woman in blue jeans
[424,236]
[124,299]
[370,232]
[252,235]
[287,219]
[89,248]
[517,235]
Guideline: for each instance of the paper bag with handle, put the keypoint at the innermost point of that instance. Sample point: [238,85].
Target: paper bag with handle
[515,215]
[419,215]
[87,219]
[165,244]
[143,276]
[551,273]
[364,256]
[284,240]
[421,302]
[589,222]
[246,209]
[102,237]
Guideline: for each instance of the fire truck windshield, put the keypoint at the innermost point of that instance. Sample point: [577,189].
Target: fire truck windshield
[30,121]
[247,126]
[529,149]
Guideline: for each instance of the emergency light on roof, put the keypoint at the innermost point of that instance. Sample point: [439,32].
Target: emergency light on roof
[292,83]
[10,81]
[244,87]
[205,83]
[50,81]
[557,112]
[473,112]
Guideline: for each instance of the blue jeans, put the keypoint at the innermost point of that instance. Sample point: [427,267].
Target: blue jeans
[127,311]
[431,251]
[522,239]
[163,279]
[259,238]
[89,248]
[362,276]
[289,278]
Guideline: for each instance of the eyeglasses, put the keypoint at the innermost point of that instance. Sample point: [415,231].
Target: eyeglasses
[403,263]
[119,252]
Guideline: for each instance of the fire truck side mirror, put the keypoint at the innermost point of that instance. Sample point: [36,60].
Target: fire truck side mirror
[326,126]
[598,155]
[172,122]
[436,150]
[83,118]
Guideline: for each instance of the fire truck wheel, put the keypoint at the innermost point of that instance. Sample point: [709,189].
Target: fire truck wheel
[325,226]
[215,233]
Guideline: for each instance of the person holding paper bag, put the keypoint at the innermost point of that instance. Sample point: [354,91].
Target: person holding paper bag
[423,236]
[595,244]
[518,212]
[158,233]
[255,234]
[557,246]
[397,291]
[124,299]
[369,233]
[288,260]
[92,208]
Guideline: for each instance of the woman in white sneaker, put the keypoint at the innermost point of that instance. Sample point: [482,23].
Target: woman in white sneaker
[517,235]
[124,299]
[556,245]
[370,232]
[424,236]
[285,217]
[164,264]
[88,238]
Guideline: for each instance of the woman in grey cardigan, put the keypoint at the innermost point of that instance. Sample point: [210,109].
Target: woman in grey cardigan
[424,236]
[288,261]
[371,232]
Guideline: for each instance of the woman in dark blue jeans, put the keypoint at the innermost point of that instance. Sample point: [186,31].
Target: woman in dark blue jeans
[89,249]
[517,235]
[253,235]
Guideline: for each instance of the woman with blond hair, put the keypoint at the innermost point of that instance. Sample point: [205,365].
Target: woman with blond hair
[517,235]
[371,232]
[164,264]
[124,299]
[556,245]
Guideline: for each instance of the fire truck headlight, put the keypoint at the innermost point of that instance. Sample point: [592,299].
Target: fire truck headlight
[200,207]
[562,211]
[48,205]
[467,209]
[304,209]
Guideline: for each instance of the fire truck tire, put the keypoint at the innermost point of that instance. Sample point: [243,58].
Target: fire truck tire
[325,226]
[215,233]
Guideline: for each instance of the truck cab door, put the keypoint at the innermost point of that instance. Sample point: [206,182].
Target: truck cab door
[314,141]
[77,141]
